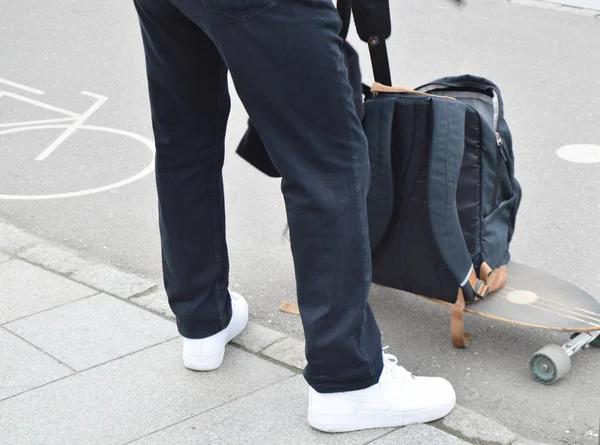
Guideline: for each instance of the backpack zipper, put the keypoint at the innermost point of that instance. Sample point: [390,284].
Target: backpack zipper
[499,168]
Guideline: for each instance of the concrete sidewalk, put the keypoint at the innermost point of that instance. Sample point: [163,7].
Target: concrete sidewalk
[90,355]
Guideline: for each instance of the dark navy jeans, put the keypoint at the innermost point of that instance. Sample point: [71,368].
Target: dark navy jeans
[285,59]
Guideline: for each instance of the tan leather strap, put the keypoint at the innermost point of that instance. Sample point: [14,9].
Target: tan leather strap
[460,338]
[491,281]
[381,88]
[484,271]
[495,279]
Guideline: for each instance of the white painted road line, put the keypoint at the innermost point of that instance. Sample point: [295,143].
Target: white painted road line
[20,86]
[78,123]
[40,122]
[37,103]
[580,153]
[149,144]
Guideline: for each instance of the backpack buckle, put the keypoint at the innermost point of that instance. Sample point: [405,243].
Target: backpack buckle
[480,289]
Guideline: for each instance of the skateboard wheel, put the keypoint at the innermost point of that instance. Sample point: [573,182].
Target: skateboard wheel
[550,364]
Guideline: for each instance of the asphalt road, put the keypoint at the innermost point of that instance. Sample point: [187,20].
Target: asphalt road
[546,63]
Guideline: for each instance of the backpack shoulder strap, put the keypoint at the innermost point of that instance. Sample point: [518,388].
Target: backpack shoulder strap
[447,149]
[378,127]
[445,162]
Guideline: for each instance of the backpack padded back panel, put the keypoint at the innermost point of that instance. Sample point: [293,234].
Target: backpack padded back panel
[405,254]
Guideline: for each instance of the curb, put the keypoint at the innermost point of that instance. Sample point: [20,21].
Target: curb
[259,340]
[557,6]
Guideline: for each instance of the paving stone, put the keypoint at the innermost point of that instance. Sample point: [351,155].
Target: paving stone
[53,258]
[593,5]
[12,239]
[3,257]
[289,351]
[473,425]
[579,11]
[575,7]
[536,3]
[112,281]
[92,331]
[523,441]
[419,435]
[256,337]
[27,289]
[23,366]
[126,399]
[156,302]
[276,415]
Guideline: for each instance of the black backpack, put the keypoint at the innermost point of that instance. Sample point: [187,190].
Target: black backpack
[443,199]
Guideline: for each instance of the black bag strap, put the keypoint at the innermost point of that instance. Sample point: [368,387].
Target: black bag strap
[380,61]
[373,24]
[344,8]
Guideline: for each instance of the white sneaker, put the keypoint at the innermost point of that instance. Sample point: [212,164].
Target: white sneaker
[398,399]
[207,354]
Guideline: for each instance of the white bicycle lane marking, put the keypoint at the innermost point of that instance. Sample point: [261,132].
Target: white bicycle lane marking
[20,86]
[78,123]
[72,123]
[580,153]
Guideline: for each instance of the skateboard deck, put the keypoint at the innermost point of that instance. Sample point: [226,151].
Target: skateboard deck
[537,299]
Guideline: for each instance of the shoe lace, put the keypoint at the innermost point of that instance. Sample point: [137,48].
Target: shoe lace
[391,367]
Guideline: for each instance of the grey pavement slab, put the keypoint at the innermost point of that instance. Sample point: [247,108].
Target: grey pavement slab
[86,333]
[156,302]
[523,441]
[3,257]
[473,425]
[276,415]
[289,351]
[54,258]
[256,337]
[586,4]
[526,51]
[27,289]
[112,281]
[23,366]
[537,3]
[562,6]
[419,435]
[129,398]
[12,239]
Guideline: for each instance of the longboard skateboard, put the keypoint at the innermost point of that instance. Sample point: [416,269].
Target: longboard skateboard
[536,299]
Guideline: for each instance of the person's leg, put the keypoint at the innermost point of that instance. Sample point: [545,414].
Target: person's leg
[187,81]
[286,61]
[285,58]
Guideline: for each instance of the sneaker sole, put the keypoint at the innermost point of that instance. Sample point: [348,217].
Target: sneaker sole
[214,361]
[344,423]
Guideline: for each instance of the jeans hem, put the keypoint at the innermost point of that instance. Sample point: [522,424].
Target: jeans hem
[330,387]
[198,334]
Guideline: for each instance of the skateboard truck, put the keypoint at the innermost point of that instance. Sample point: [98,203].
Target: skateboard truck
[552,362]
[579,341]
